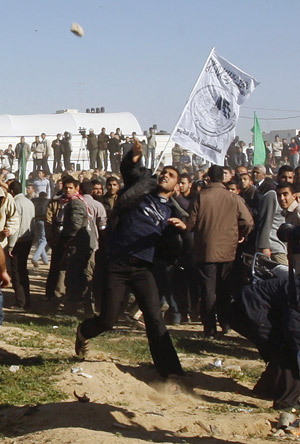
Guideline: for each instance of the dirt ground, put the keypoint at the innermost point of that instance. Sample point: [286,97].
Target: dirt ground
[130,404]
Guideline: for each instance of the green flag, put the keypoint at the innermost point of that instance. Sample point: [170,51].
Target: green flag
[259,144]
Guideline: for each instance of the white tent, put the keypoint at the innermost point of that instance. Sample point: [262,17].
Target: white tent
[51,124]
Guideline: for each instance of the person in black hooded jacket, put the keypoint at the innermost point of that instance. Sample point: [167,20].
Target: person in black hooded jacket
[268,314]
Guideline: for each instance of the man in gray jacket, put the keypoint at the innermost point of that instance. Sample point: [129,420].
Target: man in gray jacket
[19,245]
[269,220]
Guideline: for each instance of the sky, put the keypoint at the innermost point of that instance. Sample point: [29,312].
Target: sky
[145,56]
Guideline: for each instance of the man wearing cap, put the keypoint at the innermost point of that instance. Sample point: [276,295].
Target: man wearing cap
[92,147]
[10,177]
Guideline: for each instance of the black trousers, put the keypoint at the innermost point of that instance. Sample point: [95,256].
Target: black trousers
[214,279]
[115,161]
[57,158]
[55,266]
[20,280]
[37,164]
[67,160]
[93,157]
[138,276]
[45,165]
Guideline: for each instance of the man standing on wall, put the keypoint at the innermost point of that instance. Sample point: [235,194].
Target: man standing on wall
[22,153]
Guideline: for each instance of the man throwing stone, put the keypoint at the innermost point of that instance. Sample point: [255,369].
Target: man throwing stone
[143,216]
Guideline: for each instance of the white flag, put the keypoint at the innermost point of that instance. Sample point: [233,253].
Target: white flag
[207,124]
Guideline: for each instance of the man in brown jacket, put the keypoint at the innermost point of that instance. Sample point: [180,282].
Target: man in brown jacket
[220,220]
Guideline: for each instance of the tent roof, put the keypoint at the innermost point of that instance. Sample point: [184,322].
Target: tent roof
[51,124]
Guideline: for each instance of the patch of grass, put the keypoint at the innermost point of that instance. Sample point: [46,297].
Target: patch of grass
[218,409]
[227,408]
[34,341]
[135,349]
[34,382]
[66,326]
[246,375]
[122,404]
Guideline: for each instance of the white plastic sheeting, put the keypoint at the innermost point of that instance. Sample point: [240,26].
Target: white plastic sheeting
[51,124]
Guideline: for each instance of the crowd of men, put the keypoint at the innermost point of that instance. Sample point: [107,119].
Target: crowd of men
[103,150]
[173,243]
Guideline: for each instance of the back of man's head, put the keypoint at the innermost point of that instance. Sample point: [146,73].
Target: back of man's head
[15,187]
[86,187]
[215,173]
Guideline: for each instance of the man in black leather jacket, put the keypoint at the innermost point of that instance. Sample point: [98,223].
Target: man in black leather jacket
[142,217]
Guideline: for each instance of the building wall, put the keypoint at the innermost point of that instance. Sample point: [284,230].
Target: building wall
[283,134]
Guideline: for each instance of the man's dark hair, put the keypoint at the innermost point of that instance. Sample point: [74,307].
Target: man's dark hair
[227,168]
[15,187]
[179,176]
[70,179]
[43,195]
[233,182]
[296,187]
[284,169]
[86,187]
[96,182]
[288,185]
[186,176]
[111,179]
[215,173]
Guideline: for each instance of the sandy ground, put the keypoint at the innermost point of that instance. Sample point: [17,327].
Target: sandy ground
[130,404]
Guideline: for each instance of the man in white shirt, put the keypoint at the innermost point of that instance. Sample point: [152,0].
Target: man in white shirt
[19,245]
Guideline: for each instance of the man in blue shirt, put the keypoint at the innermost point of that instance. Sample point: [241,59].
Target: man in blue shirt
[42,184]
[143,217]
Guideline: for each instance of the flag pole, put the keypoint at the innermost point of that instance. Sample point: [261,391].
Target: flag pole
[185,107]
